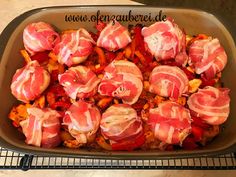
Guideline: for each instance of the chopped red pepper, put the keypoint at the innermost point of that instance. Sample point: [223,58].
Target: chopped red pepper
[110,56]
[197,132]
[132,47]
[41,57]
[139,38]
[207,82]
[54,76]
[189,74]
[136,60]
[99,70]
[139,104]
[61,105]
[94,36]
[129,145]
[200,123]
[15,124]
[100,25]
[141,58]
[57,90]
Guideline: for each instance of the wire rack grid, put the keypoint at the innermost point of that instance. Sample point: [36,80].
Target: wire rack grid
[13,160]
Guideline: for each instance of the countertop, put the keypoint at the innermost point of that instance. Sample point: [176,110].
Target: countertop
[9,9]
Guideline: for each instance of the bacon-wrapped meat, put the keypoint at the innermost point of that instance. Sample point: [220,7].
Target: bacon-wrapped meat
[168,81]
[42,127]
[120,123]
[29,82]
[210,104]
[122,79]
[83,121]
[165,41]
[75,46]
[38,37]
[207,56]
[113,37]
[79,82]
[170,122]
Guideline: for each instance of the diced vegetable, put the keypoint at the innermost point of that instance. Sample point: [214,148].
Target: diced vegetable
[194,85]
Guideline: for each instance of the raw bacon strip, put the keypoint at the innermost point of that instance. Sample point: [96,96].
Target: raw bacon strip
[42,127]
[82,120]
[170,122]
[122,79]
[207,56]
[165,40]
[210,104]
[168,81]
[29,82]
[75,46]
[79,82]
[38,37]
[120,123]
[113,37]
[122,66]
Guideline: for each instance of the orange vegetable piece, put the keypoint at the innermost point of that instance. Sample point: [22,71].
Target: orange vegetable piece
[101,55]
[128,52]
[72,144]
[65,136]
[51,99]
[141,57]
[26,56]
[101,142]
[52,56]
[18,114]
[40,102]
[104,102]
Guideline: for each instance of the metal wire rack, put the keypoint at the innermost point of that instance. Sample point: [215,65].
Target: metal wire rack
[13,160]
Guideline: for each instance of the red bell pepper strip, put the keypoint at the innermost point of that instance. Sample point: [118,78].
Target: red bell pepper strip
[99,70]
[57,90]
[136,60]
[129,145]
[139,38]
[197,133]
[110,56]
[15,124]
[132,47]
[189,74]
[199,123]
[61,104]
[206,82]
[41,57]
[54,76]
[100,25]
[141,57]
